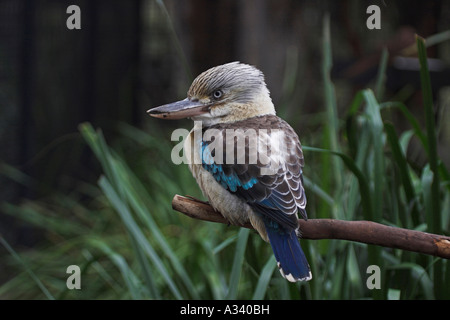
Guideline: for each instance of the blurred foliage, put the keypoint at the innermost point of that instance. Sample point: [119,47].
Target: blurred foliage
[110,213]
[172,256]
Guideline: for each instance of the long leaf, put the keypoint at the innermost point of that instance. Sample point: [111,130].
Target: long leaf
[402,166]
[264,278]
[27,268]
[381,76]
[128,275]
[434,225]
[330,96]
[431,133]
[362,181]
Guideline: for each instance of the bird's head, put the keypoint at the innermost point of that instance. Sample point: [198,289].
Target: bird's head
[226,93]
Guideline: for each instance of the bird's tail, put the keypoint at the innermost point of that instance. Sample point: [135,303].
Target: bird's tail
[289,255]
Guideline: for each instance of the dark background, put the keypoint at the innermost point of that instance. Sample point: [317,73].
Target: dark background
[133,55]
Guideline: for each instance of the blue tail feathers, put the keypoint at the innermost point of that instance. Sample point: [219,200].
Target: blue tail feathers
[288,253]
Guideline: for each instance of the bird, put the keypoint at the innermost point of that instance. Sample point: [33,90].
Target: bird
[251,166]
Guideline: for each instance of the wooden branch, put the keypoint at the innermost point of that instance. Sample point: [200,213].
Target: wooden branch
[315,229]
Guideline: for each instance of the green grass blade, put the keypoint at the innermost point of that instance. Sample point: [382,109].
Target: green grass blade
[330,97]
[381,76]
[426,184]
[176,41]
[314,188]
[96,142]
[434,219]
[150,282]
[419,275]
[133,192]
[15,174]
[351,127]
[431,134]
[376,130]
[412,121]
[136,232]
[132,282]
[26,268]
[376,175]
[102,272]
[264,279]
[402,166]
[437,38]
[224,244]
[353,271]
[238,261]
[362,181]
[157,235]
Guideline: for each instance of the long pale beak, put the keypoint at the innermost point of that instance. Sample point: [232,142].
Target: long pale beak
[179,110]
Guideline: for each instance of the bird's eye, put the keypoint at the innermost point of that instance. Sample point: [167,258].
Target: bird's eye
[217,94]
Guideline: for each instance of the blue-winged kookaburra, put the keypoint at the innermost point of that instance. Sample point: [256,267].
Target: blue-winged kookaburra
[249,161]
